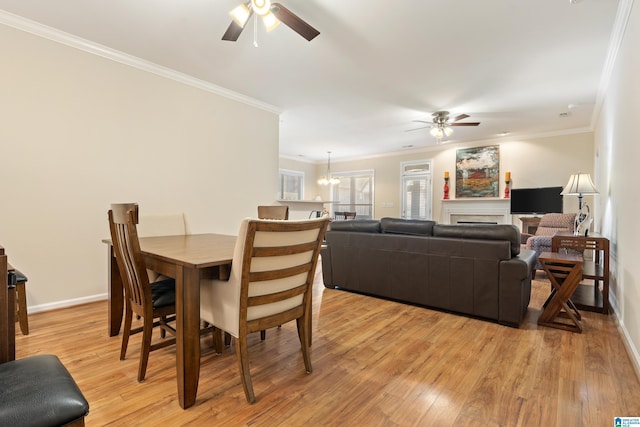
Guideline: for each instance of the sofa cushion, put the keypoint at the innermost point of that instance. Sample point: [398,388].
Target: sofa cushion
[357,225]
[414,227]
[507,232]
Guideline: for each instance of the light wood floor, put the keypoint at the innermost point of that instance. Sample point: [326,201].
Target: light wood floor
[376,363]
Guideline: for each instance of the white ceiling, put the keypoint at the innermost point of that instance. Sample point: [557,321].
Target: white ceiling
[355,90]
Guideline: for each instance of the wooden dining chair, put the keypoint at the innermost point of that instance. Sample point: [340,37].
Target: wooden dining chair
[270,284]
[344,215]
[21,302]
[150,301]
[273,212]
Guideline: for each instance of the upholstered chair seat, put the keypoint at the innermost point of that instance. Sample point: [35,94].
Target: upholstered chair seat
[163,293]
[39,391]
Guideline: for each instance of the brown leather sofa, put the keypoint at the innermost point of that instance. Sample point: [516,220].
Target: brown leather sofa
[474,269]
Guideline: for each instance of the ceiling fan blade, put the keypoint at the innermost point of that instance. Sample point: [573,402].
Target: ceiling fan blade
[424,127]
[235,29]
[460,117]
[423,121]
[465,124]
[233,32]
[292,21]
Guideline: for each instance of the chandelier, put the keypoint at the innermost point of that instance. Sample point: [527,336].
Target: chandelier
[328,179]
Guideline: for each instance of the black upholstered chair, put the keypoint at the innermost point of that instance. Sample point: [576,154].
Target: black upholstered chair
[36,390]
[39,391]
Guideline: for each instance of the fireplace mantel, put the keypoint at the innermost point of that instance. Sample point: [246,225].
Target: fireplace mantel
[482,209]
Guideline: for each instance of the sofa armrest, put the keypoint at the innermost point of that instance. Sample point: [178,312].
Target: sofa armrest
[539,244]
[515,287]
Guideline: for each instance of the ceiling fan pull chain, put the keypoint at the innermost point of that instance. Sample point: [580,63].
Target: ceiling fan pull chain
[255,32]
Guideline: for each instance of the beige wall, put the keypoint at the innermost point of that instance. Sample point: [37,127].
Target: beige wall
[617,153]
[538,162]
[81,131]
[310,178]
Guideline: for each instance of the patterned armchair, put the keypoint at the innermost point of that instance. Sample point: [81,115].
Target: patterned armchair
[549,225]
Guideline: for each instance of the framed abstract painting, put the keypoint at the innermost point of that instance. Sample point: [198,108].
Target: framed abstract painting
[478,172]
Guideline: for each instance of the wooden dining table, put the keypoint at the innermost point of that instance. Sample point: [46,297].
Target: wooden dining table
[187,259]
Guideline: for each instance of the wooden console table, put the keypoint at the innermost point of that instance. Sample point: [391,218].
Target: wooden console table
[565,272]
[597,270]
[530,224]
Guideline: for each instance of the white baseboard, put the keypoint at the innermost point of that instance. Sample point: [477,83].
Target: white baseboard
[66,303]
[634,355]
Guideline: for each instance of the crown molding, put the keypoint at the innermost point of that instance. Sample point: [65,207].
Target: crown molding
[432,147]
[299,158]
[617,35]
[49,33]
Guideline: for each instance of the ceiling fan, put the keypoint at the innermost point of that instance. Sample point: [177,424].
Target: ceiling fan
[441,125]
[272,14]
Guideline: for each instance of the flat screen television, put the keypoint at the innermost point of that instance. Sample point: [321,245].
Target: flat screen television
[536,200]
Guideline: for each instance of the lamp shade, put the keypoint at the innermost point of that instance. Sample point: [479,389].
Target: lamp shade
[579,184]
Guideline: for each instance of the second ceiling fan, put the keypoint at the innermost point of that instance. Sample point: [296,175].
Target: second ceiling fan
[272,14]
[441,125]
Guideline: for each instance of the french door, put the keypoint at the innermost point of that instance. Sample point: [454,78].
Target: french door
[417,190]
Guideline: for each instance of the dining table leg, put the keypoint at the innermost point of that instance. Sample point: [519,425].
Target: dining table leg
[116,295]
[187,334]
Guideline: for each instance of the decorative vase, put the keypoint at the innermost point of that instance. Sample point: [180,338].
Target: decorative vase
[506,189]
[446,189]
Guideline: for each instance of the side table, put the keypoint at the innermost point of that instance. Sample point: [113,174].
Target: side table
[565,272]
[597,270]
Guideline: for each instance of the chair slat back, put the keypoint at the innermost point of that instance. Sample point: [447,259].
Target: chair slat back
[122,223]
[278,267]
[273,212]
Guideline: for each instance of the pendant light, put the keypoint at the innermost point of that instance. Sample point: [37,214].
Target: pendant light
[328,179]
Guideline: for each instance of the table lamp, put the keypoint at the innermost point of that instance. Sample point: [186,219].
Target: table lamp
[578,185]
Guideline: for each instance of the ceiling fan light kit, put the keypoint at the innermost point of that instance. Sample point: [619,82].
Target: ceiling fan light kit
[240,15]
[261,7]
[272,14]
[441,126]
[270,21]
